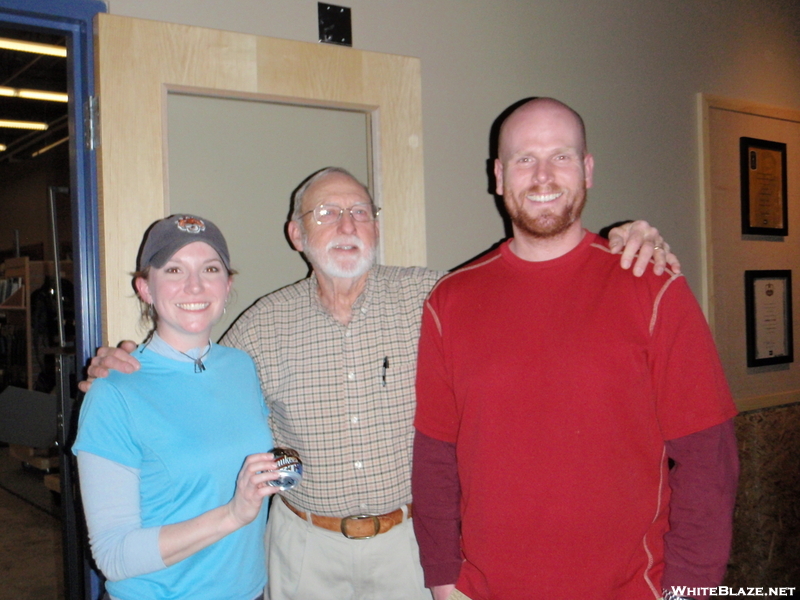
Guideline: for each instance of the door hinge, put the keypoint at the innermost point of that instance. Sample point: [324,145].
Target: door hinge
[91,123]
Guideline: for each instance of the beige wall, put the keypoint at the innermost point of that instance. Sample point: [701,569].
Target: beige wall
[632,68]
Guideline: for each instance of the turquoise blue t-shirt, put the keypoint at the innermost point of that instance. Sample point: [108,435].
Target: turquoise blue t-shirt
[188,433]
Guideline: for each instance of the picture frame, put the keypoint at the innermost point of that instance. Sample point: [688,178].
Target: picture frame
[768,315]
[764,187]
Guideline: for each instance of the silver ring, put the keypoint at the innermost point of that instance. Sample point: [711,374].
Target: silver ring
[657,247]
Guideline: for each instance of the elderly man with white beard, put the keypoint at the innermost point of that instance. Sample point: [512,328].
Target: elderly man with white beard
[336,355]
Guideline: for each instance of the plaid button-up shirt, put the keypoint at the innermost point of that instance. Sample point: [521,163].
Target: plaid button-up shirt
[342,395]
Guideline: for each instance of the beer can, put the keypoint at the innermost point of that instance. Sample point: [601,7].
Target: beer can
[290,468]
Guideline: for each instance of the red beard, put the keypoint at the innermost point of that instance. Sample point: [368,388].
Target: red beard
[546,223]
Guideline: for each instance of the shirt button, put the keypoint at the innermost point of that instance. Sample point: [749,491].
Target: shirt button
[363,506]
[363,310]
[358,464]
[351,376]
[347,334]
[354,419]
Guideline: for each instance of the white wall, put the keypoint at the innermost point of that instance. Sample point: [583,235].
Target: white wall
[631,67]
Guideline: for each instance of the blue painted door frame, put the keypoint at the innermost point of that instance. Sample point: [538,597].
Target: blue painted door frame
[73,19]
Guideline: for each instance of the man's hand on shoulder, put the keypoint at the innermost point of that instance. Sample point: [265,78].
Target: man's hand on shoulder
[108,358]
[641,237]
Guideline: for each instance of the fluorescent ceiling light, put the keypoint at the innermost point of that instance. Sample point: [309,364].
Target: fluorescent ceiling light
[21,46]
[40,95]
[23,125]
[2,147]
[33,94]
[50,147]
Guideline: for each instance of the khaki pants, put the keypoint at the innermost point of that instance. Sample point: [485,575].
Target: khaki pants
[306,562]
[456,595]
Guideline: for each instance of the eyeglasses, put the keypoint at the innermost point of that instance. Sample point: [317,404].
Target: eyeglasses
[327,214]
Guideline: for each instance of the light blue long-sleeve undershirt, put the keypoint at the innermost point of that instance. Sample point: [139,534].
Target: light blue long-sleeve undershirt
[121,547]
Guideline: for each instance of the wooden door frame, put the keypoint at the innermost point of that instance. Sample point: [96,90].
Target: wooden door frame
[775,385]
[139,62]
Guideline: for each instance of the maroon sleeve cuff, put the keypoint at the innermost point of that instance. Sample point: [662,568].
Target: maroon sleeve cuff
[437,514]
[703,481]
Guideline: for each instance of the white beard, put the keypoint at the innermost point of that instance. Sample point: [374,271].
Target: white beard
[332,267]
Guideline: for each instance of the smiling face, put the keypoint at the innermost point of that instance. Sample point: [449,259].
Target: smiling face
[189,294]
[345,249]
[543,170]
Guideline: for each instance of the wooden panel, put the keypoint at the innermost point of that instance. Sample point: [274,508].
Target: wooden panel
[138,61]
[389,87]
[16,267]
[728,253]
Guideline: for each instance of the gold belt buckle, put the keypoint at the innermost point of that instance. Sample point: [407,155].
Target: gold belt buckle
[375,522]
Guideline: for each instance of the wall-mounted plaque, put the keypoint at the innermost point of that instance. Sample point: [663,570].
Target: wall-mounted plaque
[763,176]
[768,312]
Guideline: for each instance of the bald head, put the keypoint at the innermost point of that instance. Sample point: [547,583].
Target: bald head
[317,177]
[538,112]
[542,172]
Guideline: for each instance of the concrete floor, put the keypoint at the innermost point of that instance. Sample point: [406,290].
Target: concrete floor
[30,551]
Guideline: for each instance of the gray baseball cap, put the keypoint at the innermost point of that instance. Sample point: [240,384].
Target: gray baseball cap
[165,237]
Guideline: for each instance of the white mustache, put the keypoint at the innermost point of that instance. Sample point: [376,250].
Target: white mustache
[345,240]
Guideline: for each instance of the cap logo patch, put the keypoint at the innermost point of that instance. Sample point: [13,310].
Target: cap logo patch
[191,225]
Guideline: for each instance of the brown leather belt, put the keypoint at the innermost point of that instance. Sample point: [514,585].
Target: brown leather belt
[354,527]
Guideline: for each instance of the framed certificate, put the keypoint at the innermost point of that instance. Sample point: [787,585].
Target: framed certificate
[768,311]
[763,176]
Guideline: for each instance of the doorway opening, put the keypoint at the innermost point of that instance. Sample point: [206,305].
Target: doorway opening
[48,284]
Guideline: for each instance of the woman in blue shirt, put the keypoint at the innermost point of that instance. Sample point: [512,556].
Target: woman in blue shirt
[173,459]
